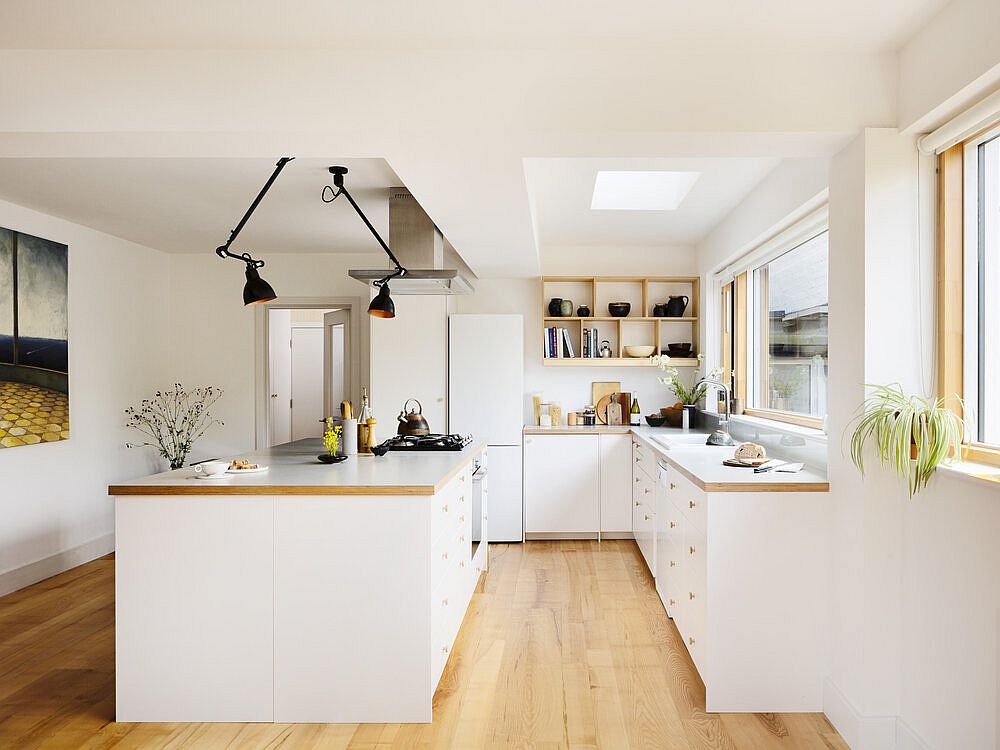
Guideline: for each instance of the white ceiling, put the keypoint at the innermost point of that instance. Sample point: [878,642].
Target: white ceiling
[191,205]
[859,25]
[562,191]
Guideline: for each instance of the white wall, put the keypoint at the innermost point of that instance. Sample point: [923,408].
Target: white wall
[949,64]
[55,508]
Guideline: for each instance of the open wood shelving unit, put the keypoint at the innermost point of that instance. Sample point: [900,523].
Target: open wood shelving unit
[637,328]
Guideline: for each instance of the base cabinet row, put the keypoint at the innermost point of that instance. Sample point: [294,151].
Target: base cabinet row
[577,485]
[743,575]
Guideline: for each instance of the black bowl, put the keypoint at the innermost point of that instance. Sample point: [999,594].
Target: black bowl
[326,458]
[655,421]
[619,309]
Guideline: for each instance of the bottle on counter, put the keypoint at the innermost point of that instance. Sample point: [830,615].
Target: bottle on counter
[634,413]
[366,424]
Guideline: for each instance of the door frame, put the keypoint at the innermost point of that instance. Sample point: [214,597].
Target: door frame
[359,344]
[349,382]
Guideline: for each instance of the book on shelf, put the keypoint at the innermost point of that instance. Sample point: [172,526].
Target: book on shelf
[570,353]
[586,343]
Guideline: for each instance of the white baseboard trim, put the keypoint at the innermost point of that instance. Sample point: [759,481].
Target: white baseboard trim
[52,565]
[859,732]
[907,738]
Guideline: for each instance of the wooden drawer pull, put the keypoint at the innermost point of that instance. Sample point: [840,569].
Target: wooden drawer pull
[444,508]
[672,602]
[671,525]
[690,595]
[673,486]
[444,602]
[672,563]
[690,550]
[691,504]
[444,555]
[690,641]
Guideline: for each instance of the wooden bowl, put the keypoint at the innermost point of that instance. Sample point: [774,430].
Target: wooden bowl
[639,351]
[674,417]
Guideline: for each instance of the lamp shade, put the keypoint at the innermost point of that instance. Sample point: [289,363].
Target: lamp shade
[256,289]
[382,306]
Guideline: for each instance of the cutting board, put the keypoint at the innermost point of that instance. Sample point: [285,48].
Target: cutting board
[599,389]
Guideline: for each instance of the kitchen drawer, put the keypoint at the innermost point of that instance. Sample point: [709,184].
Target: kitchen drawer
[448,506]
[643,488]
[643,459]
[644,529]
[669,557]
[692,501]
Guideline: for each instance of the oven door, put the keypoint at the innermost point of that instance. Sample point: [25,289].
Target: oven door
[479,494]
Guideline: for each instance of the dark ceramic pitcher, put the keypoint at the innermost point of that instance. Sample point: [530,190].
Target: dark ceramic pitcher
[676,306]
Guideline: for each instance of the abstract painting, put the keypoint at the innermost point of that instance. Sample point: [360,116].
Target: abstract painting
[34,340]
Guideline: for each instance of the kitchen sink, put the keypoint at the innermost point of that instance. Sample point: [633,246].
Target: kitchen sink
[679,441]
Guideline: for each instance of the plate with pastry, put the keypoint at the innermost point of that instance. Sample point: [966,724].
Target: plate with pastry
[242,466]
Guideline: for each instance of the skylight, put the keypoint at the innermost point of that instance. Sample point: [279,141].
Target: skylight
[641,191]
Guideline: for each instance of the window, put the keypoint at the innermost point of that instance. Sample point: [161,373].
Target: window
[969,287]
[774,326]
[790,331]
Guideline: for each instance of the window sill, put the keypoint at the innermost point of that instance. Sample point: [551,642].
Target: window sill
[972,472]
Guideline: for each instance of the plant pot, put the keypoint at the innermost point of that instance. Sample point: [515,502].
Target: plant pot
[326,458]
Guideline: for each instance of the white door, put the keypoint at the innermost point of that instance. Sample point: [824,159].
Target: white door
[616,483]
[337,360]
[279,362]
[561,485]
[506,508]
[307,382]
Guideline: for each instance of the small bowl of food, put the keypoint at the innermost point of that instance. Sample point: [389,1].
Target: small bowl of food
[619,309]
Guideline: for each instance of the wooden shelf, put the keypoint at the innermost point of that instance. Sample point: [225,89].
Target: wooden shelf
[639,328]
[614,362]
[636,318]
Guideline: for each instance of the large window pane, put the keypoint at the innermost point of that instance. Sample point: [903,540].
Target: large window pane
[989,294]
[6,296]
[791,330]
[42,316]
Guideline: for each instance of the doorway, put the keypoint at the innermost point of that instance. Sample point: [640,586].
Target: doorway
[309,363]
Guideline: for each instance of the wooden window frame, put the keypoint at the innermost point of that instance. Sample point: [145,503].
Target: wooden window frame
[950,290]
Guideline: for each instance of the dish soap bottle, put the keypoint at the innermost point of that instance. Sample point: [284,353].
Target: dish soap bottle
[634,413]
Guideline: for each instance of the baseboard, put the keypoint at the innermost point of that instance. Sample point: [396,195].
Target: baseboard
[907,738]
[617,535]
[541,536]
[859,732]
[52,565]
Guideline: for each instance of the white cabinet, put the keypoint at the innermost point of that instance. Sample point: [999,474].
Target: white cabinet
[506,505]
[616,484]
[562,486]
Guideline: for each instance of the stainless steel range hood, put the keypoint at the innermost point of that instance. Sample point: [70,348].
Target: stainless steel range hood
[433,266]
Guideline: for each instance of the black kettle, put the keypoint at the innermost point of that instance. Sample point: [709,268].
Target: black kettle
[412,422]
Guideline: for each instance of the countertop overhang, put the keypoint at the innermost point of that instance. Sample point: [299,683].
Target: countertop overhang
[295,470]
[702,464]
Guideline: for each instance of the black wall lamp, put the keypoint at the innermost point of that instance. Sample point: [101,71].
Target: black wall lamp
[256,289]
[382,306]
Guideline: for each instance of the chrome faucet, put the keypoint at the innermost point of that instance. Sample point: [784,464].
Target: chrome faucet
[721,436]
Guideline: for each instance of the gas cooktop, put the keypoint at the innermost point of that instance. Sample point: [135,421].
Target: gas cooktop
[432,442]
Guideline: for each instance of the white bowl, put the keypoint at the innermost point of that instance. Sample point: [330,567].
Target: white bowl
[639,351]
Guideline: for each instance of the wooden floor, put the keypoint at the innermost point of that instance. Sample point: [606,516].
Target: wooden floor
[565,646]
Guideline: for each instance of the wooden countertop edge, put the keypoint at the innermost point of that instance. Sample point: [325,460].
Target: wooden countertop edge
[579,430]
[202,488]
[299,489]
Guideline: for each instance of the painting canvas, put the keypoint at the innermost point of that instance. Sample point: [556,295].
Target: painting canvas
[34,340]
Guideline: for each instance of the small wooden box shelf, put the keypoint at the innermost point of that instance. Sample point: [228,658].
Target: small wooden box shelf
[637,328]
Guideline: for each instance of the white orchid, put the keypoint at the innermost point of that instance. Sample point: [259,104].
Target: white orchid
[671,379]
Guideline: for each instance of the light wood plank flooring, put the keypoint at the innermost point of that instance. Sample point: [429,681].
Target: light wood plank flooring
[565,646]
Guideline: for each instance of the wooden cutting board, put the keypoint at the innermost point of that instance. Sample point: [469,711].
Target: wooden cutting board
[599,389]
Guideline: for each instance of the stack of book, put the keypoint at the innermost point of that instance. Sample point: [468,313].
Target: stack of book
[590,343]
[558,344]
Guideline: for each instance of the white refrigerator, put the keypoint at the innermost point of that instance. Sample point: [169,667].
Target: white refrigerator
[486,400]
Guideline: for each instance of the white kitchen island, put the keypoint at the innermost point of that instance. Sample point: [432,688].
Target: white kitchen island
[309,593]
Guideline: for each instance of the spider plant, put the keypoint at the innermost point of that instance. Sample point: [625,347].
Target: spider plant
[911,435]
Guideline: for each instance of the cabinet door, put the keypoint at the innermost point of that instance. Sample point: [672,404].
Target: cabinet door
[561,484]
[506,506]
[669,540]
[616,483]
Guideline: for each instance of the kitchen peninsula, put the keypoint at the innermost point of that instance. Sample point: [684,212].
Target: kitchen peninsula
[307,593]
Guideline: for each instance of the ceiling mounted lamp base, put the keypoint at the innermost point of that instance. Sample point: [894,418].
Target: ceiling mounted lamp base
[382,305]
[256,290]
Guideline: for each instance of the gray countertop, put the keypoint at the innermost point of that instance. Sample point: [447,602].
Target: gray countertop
[701,463]
[294,470]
